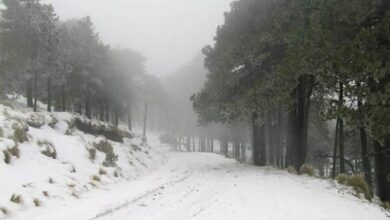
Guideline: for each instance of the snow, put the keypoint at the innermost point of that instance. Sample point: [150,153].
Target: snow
[209,186]
[70,175]
[152,182]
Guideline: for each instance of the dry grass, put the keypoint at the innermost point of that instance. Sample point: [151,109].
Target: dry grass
[360,185]
[96,178]
[292,170]
[4,210]
[102,172]
[16,199]
[46,194]
[37,203]
[307,169]
[20,135]
[106,147]
[342,178]
[7,157]
[386,205]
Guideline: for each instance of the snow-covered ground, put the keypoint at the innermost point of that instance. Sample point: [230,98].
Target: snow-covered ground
[149,181]
[208,186]
[47,163]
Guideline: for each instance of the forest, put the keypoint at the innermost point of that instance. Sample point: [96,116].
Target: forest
[67,66]
[312,79]
[290,96]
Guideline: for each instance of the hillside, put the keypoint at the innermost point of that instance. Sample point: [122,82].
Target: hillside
[46,159]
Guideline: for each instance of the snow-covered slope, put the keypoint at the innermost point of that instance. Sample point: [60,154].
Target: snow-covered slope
[45,160]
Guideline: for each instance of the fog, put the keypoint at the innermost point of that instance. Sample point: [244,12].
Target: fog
[169,33]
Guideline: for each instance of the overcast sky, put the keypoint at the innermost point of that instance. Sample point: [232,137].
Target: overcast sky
[169,33]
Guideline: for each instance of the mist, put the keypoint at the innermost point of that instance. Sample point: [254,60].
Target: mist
[169,33]
[194,109]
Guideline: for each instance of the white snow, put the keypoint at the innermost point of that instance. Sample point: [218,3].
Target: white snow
[153,183]
[208,186]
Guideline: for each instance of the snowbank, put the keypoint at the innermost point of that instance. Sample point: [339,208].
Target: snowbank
[45,159]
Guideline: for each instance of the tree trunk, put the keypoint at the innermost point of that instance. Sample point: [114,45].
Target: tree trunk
[35,107]
[259,147]
[49,94]
[29,93]
[363,142]
[237,150]
[341,130]
[382,169]
[212,145]
[129,125]
[336,141]
[145,119]
[243,152]
[107,117]
[304,92]
[63,97]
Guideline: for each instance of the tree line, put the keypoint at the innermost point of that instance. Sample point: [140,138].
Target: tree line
[286,66]
[66,65]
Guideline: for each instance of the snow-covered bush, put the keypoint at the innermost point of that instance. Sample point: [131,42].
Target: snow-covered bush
[20,134]
[47,148]
[36,120]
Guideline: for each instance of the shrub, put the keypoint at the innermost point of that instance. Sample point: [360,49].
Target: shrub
[92,153]
[95,178]
[116,174]
[135,147]
[74,194]
[46,193]
[16,199]
[102,172]
[111,133]
[7,157]
[37,202]
[51,181]
[386,205]
[48,148]
[1,132]
[360,185]
[105,147]
[4,210]
[342,178]
[14,151]
[307,169]
[292,170]
[20,135]
[36,121]
[52,123]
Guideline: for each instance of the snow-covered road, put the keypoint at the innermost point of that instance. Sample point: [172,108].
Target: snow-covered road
[208,186]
